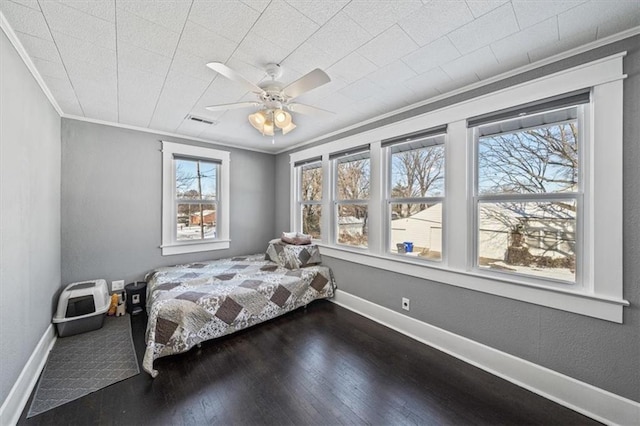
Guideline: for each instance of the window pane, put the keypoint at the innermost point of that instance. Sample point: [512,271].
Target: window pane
[311,215]
[311,184]
[416,230]
[196,179]
[538,160]
[418,172]
[353,224]
[196,221]
[353,180]
[532,238]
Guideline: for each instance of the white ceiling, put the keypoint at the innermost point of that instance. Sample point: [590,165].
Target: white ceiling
[142,62]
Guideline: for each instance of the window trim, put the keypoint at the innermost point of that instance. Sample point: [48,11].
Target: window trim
[602,294]
[170,244]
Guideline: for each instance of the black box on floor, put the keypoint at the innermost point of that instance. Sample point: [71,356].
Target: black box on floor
[136,297]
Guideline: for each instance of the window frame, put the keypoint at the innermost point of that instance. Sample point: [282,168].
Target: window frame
[601,295]
[387,155]
[336,159]
[170,244]
[301,202]
[578,196]
[195,201]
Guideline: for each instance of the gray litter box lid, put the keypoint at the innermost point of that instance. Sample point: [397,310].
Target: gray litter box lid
[82,285]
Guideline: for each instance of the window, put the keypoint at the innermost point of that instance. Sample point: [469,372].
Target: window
[310,197]
[195,202]
[523,201]
[415,194]
[528,189]
[196,198]
[352,172]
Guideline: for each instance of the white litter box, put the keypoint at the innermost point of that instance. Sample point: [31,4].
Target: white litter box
[82,307]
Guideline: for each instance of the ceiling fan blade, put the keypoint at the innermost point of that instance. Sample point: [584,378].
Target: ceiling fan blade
[310,81]
[236,105]
[232,75]
[308,109]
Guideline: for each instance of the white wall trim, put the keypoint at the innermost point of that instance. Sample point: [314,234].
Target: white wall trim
[584,398]
[4,24]
[15,402]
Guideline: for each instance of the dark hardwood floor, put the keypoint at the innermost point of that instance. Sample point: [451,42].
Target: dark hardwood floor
[319,365]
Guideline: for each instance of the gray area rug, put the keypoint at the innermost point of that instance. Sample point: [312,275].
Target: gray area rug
[84,363]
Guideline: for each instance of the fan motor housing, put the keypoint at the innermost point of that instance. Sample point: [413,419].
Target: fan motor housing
[272,95]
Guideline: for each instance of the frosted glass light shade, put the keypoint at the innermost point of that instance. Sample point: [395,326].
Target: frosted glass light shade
[267,129]
[289,128]
[268,121]
[281,118]
[258,120]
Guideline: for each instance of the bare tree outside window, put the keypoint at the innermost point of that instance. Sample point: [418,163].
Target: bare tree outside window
[527,213]
[416,191]
[541,160]
[311,198]
[352,190]
[417,173]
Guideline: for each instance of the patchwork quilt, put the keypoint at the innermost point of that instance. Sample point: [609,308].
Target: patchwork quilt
[192,303]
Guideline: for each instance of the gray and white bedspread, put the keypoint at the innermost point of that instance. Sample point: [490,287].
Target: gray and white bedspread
[188,304]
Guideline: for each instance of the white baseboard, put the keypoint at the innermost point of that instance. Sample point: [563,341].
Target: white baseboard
[19,395]
[584,398]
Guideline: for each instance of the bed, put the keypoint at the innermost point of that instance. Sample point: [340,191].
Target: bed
[189,304]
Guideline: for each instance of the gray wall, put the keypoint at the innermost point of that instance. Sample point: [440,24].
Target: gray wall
[30,214]
[283,196]
[598,352]
[111,203]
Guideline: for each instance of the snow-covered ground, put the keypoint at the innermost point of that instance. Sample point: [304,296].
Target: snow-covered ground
[193,232]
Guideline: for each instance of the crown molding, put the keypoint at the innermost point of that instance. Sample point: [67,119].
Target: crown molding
[4,24]
[516,71]
[162,133]
[13,38]
[15,41]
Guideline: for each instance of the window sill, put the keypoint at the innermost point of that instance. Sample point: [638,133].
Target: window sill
[589,304]
[194,247]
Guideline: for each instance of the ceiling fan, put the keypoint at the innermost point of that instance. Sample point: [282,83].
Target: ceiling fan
[274,99]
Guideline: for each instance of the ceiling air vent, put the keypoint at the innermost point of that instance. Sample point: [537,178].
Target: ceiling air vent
[201,120]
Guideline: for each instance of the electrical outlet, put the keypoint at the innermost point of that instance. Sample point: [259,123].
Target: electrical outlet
[405,303]
[117,285]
